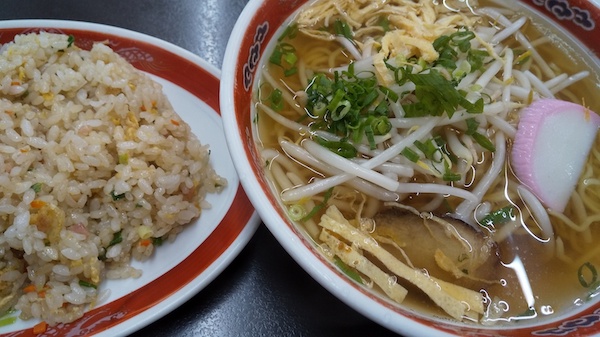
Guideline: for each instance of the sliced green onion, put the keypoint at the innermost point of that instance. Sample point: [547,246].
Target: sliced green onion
[382,109]
[157,241]
[410,154]
[370,136]
[463,257]
[117,197]
[522,58]
[384,22]
[451,176]
[389,93]
[289,72]
[428,148]
[37,187]
[284,55]
[319,109]
[287,48]
[462,70]
[381,125]
[87,284]
[347,270]
[350,71]
[319,206]
[290,58]
[500,216]
[275,57]
[341,148]
[117,238]
[485,142]
[8,320]
[369,98]
[344,106]
[290,32]
[473,108]
[335,100]
[435,95]
[475,58]
[296,212]
[275,100]
[70,40]
[582,274]
[462,39]
[472,125]
[341,110]
[342,28]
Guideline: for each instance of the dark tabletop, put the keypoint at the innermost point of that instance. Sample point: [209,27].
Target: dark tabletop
[263,292]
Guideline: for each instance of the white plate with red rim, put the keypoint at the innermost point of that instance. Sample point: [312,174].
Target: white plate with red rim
[259,23]
[179,270]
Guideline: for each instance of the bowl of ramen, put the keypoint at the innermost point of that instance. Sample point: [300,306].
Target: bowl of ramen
[433,164]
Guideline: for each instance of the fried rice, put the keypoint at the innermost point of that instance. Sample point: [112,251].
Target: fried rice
[96,169]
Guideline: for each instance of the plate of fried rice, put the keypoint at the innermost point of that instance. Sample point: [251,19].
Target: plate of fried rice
[118,197]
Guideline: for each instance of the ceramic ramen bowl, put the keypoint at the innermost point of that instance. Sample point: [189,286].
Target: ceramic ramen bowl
[251,44]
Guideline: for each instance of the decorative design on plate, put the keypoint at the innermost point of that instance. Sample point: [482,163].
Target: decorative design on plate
[143,59]
[134,54]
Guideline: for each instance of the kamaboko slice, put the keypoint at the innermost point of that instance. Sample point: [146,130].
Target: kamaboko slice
[551,147]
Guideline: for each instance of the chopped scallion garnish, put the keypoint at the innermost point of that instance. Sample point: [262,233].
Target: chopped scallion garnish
[275,100]
[436,95]
[349,106]
[290,32]
[346,269]
[7,320]
[157,241]
[342,148]
[117,197]
[296,212]
[342,28]
[87,284]
[587,275]
[37,187]
[451,176]
[319,206]
[500,216]
[284,55]
[486,143]
[117,238]
[410,154]
[451,47]
[70,40]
